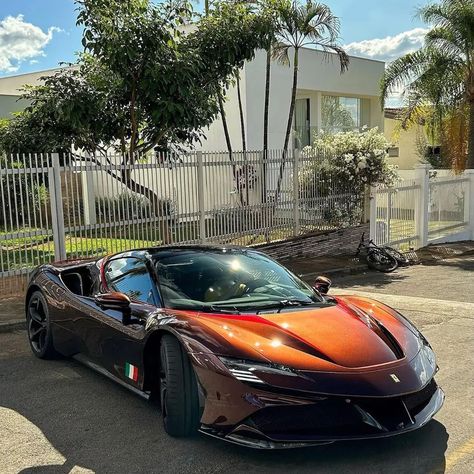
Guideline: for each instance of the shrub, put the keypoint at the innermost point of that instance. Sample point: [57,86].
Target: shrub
[24,198]
[351,160]
[128,206]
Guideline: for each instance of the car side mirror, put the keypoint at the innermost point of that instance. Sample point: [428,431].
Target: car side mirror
[113,300]
[322,284]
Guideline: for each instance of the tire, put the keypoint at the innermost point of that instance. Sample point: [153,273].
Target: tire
[398,256]
[39,328]
[178,390]
[381,261]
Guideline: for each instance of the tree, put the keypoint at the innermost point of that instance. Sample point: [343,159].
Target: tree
[269,9]
[141,84]
[308,24]
[441,73]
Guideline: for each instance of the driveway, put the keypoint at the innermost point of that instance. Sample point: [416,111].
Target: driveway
[60,417]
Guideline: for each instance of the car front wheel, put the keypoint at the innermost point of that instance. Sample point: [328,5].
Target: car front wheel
[178,389]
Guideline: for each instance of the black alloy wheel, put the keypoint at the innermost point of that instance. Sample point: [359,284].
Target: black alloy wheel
[39,331]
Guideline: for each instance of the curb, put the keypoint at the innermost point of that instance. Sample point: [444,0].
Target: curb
[13,325]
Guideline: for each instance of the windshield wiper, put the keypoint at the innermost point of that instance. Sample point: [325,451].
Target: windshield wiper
[218,309]
[287,303]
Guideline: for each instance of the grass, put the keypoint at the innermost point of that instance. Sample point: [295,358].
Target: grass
[28,252]
[15,258]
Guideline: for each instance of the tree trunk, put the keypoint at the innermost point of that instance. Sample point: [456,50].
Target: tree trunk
[133,122]
[288,126]
[265,124]
[470,149]
[241,113]
[124,176]
[229,145]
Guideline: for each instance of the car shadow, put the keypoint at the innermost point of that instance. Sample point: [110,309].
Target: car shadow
[98,425]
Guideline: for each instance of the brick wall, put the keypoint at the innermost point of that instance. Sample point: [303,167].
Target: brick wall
[339,242]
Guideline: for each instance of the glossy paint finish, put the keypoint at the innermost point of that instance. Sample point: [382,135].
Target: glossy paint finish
[357,348]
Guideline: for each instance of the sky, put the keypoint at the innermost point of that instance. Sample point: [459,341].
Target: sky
[41,34]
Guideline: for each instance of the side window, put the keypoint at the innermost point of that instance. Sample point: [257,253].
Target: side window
[130,276]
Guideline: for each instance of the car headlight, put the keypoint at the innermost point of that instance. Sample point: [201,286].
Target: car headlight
[248,370]
[428,352]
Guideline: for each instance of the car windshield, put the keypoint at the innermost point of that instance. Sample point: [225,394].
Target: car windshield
[228,280]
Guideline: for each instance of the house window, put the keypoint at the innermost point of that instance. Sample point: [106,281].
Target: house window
[341,114]
[301,124]
[394,152]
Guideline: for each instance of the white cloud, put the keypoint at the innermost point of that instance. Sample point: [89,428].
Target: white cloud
[389,48]
[20,41]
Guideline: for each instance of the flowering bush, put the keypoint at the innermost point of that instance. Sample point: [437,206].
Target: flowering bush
[352,159]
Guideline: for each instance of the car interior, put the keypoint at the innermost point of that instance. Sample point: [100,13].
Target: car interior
[80,280]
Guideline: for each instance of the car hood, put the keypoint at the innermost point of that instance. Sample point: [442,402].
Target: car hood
[355,333]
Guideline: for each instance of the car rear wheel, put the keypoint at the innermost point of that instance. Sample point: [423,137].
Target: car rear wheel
[38,326]
[178,390]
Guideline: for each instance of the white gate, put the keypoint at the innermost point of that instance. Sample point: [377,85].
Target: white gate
[434,206]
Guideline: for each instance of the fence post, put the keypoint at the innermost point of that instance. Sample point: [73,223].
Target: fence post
[296,192]
[469,202]
[422,174]
[88,196]
[200,191]
[373,213]
[57,214]
[388,236]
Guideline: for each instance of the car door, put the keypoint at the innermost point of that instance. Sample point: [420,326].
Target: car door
[116,341]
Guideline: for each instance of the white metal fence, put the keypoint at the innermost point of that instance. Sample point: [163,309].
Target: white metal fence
[57,207]
[432,207]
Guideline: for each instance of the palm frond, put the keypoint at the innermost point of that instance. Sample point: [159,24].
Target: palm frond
[280,53]
[400,72]
[309,24]
[329,49]
[447,40]
[435,14]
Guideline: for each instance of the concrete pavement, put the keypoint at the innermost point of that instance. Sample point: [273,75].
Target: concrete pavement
[60,417]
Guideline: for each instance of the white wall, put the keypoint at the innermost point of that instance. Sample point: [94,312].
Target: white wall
[10,104]
[317,75]
[10,90]
[11,85]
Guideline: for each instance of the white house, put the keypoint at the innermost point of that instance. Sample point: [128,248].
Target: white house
[326,100]
[321,88]
[322,94]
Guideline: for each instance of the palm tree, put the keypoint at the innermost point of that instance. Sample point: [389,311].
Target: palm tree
[268,8]
[441,74]
[308,24]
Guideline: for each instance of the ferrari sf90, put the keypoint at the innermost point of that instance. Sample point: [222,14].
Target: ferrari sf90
[230,343]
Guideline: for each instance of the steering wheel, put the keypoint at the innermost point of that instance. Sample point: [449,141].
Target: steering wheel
[253,285]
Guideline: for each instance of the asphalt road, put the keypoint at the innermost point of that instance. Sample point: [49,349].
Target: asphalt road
[61,417]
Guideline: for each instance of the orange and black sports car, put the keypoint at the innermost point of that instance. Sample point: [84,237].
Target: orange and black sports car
[232,344]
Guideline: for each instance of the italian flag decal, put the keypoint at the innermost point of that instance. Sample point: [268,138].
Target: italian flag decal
[131,372]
